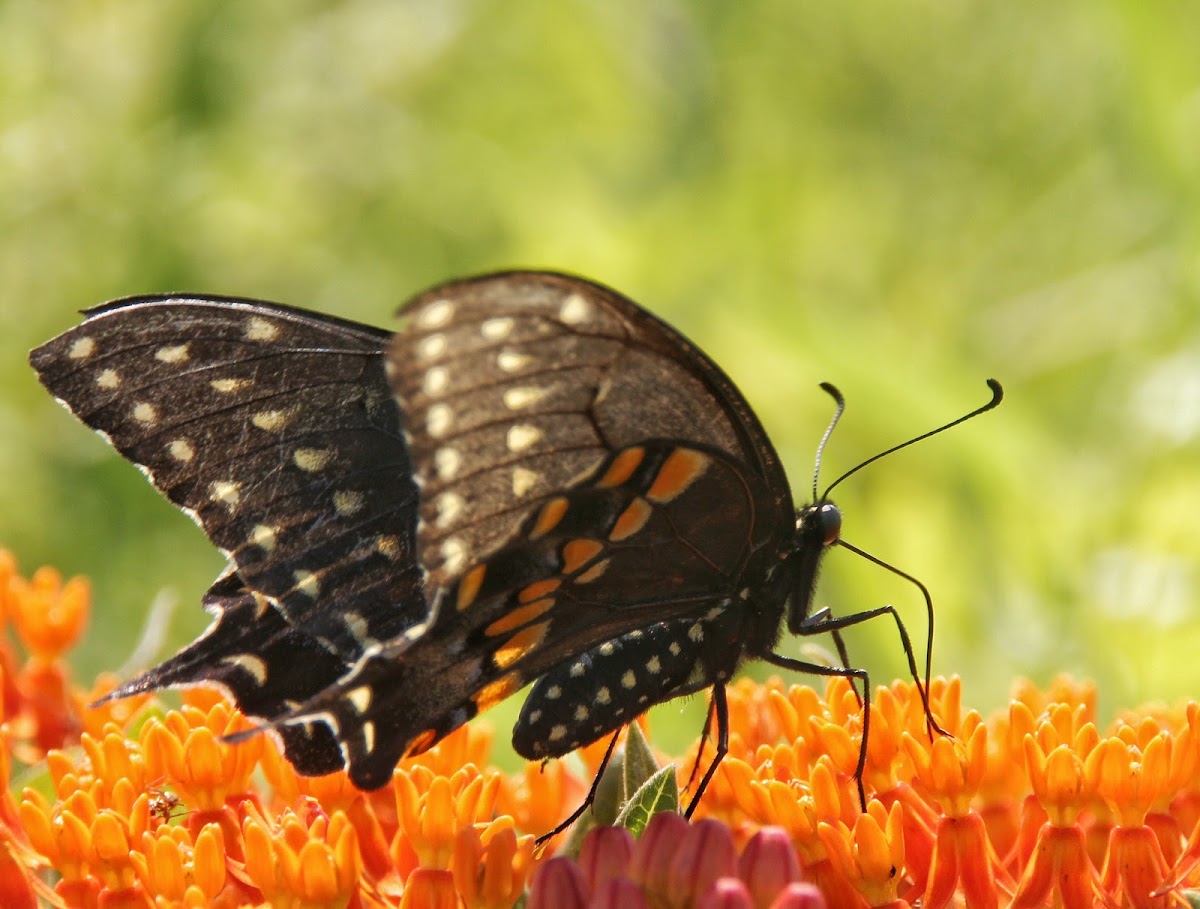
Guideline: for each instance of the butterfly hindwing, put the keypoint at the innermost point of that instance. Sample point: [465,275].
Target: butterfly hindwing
[584,575]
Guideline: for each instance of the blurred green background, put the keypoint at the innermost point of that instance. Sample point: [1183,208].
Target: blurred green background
[901,198]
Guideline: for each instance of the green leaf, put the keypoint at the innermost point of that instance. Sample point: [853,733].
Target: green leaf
[659,793]
[640,764]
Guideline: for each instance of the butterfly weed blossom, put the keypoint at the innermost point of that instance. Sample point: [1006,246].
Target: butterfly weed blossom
[1032,806]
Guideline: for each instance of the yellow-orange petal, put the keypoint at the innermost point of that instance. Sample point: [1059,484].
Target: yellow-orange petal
[430,888]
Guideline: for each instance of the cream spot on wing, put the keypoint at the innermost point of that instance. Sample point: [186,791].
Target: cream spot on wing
[312,460]
[255,666]
[259,329]
[360,698]
[348,502]
[438,419]
[176,353]
[145,413]
[575,309]
[454,555]
[228,386]
[226,492]
[263,537]
[307,582]
[431,347]
[388,546]
[82,349]
[446,462]
[368,734]
[357,625]
[108,378]
[436,380]
[436,314]
[511,361]
[523,480]
[272,420]
[517,398]
[496,329]
[608,648]
[449,506]
[181,450]
[696,633]
[521,436]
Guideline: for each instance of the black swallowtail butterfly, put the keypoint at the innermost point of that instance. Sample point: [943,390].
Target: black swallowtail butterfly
[533,480]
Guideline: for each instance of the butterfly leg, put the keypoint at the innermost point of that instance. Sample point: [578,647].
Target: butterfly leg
[588,800]
[822,622]
[824,615]
[708,718]
[721,709]
[844,672]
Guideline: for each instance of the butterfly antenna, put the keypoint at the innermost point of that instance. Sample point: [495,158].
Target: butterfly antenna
[997,397]
[832,391]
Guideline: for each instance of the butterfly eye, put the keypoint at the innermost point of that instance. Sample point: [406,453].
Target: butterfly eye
[830,517]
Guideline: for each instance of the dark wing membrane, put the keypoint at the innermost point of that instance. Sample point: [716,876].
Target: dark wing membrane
[516,386]
[275,429]
[624,549]
[267,666]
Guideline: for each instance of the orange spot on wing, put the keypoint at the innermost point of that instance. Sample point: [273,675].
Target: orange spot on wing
[468,587]
[493,693]
[594,572]
[632,520]
[539,589]
[622,467]
[552,512]
[422,742]
[523,615]
[520,644]
[682,466]
[578,553]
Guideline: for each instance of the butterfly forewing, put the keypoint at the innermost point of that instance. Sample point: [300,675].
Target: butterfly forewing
[275,429]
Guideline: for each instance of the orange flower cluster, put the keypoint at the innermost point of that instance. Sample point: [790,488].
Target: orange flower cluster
[134,805]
